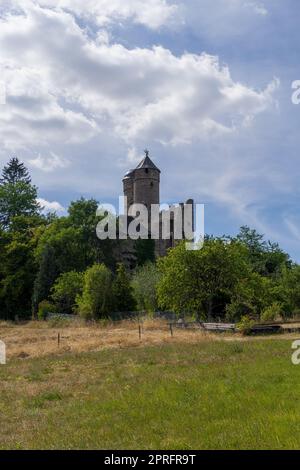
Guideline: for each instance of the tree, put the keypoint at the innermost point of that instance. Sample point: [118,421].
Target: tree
[18,197]
[122,291]
[266,257]
[144,283]
[145,251]
[17,271]
[14,172]
[65,290]
[201,282]
[96,298]
[250,296]
[47,273]
[286,290]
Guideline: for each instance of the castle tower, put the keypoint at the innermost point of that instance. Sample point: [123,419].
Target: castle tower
[128,187]
[146,182]
[141,186]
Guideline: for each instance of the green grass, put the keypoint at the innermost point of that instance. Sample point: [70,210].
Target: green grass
[214,395]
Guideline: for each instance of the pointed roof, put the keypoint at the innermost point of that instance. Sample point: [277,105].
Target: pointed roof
[147,163]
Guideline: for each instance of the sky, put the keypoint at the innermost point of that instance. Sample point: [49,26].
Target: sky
[205,86]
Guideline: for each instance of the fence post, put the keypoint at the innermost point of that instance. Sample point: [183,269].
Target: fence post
[140,332]
[58,339]
[171,329]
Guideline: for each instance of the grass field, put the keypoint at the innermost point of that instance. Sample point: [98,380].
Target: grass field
[172,395]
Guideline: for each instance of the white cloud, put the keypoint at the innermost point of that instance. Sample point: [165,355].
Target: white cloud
[53,206]
[63,86]
[153,13]
[49,163]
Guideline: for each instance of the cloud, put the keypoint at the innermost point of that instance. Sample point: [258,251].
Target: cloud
[65,86]
[154,13]
[49,163]
[53,206]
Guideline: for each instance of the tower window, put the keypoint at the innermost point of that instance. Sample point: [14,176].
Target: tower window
[146,170]
[151,184]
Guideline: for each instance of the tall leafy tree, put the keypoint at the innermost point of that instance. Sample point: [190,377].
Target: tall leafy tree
[96,298]
[201,282]
[65,290]
[123,299]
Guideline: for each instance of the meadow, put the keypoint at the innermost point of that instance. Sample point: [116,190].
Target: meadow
[192,391]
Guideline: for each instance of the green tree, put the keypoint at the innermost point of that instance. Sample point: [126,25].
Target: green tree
[251,295]
[144,283]
[65,290]
[46,275]
[96,298]
[122,291]
[266,257]
[145,251]
[14,172]
[18,197]
[201,282]
[17,270]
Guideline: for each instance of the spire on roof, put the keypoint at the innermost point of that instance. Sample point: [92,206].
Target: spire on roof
[147,162]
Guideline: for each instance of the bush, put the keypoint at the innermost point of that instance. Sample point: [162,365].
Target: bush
[44,308]
[271,313]
[144,284]
[245,325]
[96,299]
[65,290]
[122,291]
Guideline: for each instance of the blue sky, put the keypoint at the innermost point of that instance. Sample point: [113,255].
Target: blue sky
[206,86]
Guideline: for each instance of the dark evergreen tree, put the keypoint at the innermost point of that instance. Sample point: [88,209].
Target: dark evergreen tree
[18,197]
[14,172]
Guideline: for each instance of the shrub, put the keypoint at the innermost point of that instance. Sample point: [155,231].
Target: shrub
[122,291]
[245,325]
[65,290]
[271,313]
[44,308]
[96,298]
[144,284]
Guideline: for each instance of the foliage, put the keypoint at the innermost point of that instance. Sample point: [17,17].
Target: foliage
[144,283]
[249,297]
[201,282]
[145,251]
[272,312]
[45,307]
[96,298]
[122,291]
[46,275]
[266,257]
[65,290]
[245,324]
[14,172]
[17,195]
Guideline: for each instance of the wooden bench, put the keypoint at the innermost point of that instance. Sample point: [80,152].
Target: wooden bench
[219,327]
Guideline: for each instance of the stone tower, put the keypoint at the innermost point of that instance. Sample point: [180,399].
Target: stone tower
[141,185]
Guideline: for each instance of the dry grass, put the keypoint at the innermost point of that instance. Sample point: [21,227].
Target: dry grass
[39,339]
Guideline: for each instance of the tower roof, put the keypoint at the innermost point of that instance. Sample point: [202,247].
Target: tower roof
[147,163]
